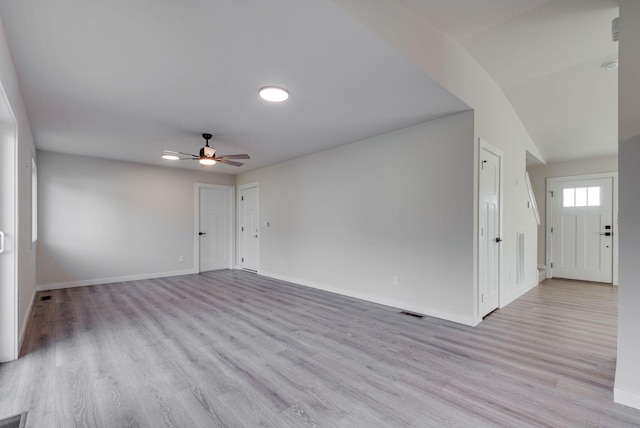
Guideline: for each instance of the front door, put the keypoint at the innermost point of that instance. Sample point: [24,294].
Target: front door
[249,228]
[489,238]
[215,228]
[582,229]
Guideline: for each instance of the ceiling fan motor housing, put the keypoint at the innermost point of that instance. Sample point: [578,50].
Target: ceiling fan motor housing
[207,152]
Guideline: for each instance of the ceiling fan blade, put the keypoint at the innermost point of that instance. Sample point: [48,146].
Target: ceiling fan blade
[229,162]
[242,156]
[207,155]
[178,153]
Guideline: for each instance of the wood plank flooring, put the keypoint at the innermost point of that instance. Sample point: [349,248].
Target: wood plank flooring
[230,348]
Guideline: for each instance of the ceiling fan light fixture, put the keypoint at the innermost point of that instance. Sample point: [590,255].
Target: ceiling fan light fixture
[170,157]
[273,94]
[207,161]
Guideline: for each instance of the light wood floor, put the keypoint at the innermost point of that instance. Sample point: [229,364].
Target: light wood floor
[230,348]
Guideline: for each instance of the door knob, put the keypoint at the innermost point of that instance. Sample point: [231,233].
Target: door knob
[255,236]
[202,233]
[498,239]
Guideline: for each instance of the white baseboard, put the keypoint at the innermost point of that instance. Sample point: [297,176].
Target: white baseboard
[542,274]
[627,398]
[25,320]
[519,292]
[98,281]
[471,321]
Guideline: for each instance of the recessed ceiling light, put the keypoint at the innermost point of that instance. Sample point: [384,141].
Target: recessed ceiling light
[273,94]
[610,65]
[170,157]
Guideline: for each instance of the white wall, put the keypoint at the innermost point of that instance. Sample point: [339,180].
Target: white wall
[348,219]
[495,120]
[627,384]
[26,149]
[103,221]
[539,175]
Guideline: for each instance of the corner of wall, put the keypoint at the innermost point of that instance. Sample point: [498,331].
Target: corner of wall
[25,320]
[626,398]
[504,301]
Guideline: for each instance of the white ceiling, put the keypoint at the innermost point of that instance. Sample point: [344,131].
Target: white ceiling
[122,79]
[547,57]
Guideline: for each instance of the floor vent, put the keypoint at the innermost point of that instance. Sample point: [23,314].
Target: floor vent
[45,298]
[411,314]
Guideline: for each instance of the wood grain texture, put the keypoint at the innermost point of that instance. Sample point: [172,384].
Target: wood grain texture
[230,348]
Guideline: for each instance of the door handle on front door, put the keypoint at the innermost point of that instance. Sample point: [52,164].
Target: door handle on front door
[202,233]
[498,239]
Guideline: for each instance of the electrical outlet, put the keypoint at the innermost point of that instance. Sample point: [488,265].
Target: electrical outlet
[395,279]
[181,259]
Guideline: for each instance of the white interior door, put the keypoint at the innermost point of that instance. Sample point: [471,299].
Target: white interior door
[582,229]
[8,227]
[489,239]
[249,228]
[215,232]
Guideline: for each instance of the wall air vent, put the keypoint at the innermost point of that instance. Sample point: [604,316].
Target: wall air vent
[519,257]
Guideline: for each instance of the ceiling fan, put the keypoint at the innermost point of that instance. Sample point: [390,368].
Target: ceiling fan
[207,155]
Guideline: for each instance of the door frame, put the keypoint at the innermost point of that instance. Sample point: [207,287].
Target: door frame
[549,217]
[196,221]
[485,145]
[239,224]
[9,291]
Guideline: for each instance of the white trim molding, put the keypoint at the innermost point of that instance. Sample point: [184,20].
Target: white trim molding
[25,320]
[112,280]
[504,301]
[627,398]
[418,309]
[11,237]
